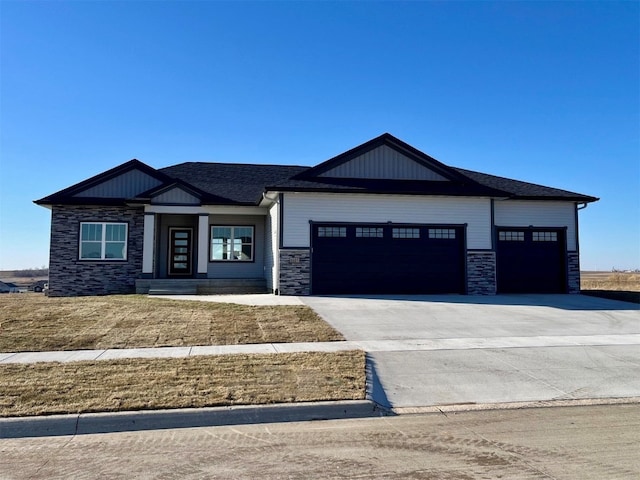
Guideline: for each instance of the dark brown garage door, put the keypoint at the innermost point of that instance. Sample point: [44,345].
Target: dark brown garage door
[378,259]
[530,260]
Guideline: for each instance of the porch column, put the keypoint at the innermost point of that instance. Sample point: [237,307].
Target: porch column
[148,243]
[203,243]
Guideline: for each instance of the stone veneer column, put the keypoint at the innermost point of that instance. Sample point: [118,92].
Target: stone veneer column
[295,272]
[573,272]
[481,272]
[69,276]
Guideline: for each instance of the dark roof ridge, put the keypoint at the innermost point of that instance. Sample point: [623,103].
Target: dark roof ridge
[395,143]
[237,164]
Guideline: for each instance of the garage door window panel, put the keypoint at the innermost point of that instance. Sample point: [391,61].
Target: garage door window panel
[505,236]
[545,236]
[405,233]
[337,232]
[369,232]
[442,233]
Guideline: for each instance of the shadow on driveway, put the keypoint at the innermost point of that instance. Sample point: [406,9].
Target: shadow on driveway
[560,301]
[375,390]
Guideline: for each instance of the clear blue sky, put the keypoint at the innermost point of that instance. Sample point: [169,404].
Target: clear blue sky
[546,92]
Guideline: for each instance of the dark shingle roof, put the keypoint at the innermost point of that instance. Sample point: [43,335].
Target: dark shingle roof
[238,183]
[524,190]
[244,184]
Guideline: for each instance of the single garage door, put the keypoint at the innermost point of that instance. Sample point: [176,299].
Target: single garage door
[393,259]
[530,260]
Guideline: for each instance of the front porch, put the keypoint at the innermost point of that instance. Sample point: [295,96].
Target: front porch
[204,251]
[200,286]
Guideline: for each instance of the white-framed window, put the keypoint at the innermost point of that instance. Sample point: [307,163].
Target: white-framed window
[103,241]
[232,243]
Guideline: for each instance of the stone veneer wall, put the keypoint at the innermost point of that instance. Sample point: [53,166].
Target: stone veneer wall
[295,272]
[573,272]
[69,276]
[481,273]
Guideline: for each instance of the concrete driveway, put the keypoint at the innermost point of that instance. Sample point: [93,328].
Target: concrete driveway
[442,350]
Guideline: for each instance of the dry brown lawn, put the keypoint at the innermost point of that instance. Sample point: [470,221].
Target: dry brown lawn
[204,381]
[34,322]
[616,281]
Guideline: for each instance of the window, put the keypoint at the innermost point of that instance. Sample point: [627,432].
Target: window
[103,241]
[232,243]
[406,233]
[369,232]
[545,236]
[449,233]
[332,231]
[511,236]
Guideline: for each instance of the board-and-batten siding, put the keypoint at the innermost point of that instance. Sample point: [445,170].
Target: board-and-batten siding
[383,162]
[127,185]
[524,213]
[175,196]
[271,247]
[299,208]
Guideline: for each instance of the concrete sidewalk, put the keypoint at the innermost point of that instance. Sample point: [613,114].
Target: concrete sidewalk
[370,346]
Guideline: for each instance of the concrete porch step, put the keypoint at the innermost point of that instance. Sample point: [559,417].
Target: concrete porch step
[201,286]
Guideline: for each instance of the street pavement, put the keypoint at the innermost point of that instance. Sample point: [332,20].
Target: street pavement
[568,443]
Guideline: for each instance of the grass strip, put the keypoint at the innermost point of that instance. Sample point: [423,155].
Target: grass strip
[33,322]
[203,381]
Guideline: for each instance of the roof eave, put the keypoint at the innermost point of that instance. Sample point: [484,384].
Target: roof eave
[576,198]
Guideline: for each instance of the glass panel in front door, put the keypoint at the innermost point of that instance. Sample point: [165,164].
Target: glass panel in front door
[180,251]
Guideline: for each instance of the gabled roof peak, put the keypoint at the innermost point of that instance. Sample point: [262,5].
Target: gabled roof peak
[384,157]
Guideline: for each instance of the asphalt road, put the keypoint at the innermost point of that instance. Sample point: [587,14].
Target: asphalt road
[593,442]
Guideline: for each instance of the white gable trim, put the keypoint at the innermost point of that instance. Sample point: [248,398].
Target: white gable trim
[383,162]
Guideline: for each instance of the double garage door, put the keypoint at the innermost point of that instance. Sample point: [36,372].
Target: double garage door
[430,259]
[530,260]
[377,259]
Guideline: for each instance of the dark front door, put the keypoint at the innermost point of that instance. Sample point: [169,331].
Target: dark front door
[180,251]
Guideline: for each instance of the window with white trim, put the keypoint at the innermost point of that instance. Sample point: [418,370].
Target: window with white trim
[232,243]
[103,241]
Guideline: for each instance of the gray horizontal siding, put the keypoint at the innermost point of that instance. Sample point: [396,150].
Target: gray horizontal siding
[523,213]
[299,208]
